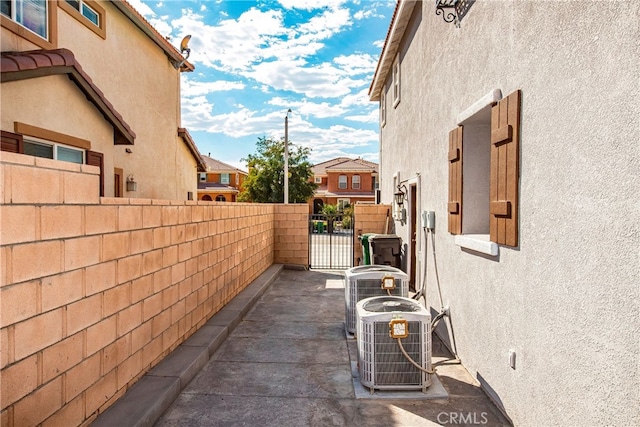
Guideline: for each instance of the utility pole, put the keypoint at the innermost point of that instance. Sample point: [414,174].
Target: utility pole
[286,157]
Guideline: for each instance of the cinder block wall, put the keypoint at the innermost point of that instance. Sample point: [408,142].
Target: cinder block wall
[292,234]
[370,218]
[96,291]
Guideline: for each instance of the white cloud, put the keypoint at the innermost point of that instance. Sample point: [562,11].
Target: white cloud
[191,88]
[372,117]
[311,4]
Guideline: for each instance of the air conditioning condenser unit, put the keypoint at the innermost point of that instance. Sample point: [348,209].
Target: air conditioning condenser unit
[381,362]
[369,281]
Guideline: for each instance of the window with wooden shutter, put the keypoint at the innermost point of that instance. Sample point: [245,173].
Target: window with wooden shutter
[455,181]
[97,159]
[12,142]
[505,141]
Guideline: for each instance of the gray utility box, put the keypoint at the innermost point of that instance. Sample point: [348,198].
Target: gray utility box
[385,249]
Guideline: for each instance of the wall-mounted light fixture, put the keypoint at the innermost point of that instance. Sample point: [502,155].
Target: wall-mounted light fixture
[400,195]
[456,10]
[184,47]
[132,185]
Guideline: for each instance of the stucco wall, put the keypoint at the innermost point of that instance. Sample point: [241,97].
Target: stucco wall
[135,76]
[96,291]
[566,299]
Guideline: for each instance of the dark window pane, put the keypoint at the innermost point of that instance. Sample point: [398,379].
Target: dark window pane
[38,150]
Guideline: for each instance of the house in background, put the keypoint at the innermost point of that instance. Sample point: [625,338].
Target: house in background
[92,82]
[519,130]
[343,181]
[221,182]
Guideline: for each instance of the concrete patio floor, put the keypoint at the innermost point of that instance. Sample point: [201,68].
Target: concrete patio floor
[287,362]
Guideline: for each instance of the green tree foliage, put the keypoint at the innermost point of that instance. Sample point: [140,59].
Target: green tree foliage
[265,183]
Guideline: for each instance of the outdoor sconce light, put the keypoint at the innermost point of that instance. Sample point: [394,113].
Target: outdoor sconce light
[132,185]
[460,9]
[183,48]
[400,195]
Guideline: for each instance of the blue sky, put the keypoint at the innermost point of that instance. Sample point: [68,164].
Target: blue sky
[256,59]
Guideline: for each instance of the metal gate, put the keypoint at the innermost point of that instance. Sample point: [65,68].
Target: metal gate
[330,241]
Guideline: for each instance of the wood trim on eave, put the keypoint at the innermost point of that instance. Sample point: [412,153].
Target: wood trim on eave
[49,135]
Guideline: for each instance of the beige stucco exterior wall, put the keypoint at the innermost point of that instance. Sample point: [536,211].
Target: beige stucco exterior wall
[56,98]
[137,77]
[96,291]
[565,300]
[143,86]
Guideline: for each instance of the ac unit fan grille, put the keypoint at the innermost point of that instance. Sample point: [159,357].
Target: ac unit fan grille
[365,288]
[391,366]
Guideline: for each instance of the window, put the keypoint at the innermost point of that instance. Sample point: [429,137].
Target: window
[483,189]
[342,182]
[31,14]
[224,178]
[203,176]
[383,108]
[355,182]
[317,180]
[48,150]
[86,11]
[342,204]
[396,81]
[221,198]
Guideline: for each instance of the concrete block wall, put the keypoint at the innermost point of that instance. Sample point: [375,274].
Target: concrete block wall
[292,234]
[370,218]
[96,291]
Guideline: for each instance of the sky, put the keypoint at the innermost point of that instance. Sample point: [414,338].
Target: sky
[254,60]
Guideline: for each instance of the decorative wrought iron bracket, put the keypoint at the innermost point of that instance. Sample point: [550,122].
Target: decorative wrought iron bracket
[460,9]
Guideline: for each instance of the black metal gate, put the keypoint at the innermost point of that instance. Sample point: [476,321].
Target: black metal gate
[330,241]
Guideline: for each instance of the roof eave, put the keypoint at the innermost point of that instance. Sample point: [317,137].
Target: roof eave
[186,137]
[172,53]
[398,25]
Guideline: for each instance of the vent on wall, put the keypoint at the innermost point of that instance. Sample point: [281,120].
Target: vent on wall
[366,281]
[381,363]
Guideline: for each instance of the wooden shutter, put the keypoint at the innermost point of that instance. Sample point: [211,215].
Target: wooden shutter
[505,159]
[12,142]
[455,181]
[97,159]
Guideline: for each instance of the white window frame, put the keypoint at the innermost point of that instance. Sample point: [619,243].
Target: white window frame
[396,81]
[224,178]
[353,182]
[317,180]
[341,185]
[202,177]
[14,17]
[341,204]
[55,146]
[383,108]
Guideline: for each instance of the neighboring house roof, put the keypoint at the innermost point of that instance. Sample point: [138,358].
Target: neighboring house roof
[323,192]
[399,22]
[344,164]
[40,63]
[186,137]
[216,188]
[148,29]
[214,165]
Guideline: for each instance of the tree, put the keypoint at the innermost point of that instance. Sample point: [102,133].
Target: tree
[265,183]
